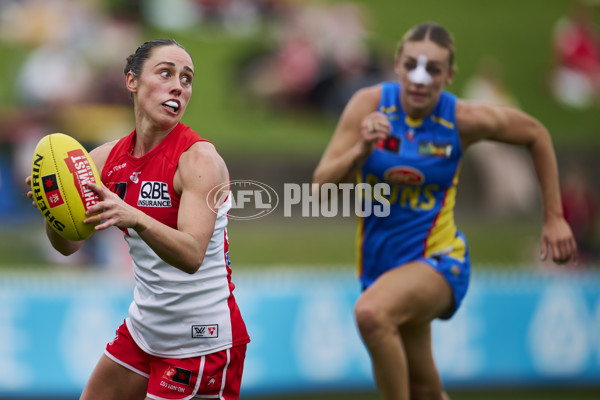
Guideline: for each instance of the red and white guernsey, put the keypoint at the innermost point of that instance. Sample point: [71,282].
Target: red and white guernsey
[173,314]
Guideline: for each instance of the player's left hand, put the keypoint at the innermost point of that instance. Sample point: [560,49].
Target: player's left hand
[111,210]
[559,242]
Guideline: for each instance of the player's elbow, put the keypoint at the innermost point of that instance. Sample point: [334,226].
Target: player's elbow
[64,246]
[68,249]
[192,263]
[539,134]
[192,268]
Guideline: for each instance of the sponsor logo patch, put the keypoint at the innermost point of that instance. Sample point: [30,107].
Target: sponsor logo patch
[154,194]
[80,168]
[121,189]
[391,143]
[404,176]
[178,375]
[205,331]
[435,149]
[53,195]
[135,177]
[455,270]
[116,168]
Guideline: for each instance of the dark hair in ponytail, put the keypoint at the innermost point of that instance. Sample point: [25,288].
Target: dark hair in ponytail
[135,62]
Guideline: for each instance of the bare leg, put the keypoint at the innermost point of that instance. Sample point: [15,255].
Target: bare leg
[111,381]
[411,295]
[424,380]
[388,357]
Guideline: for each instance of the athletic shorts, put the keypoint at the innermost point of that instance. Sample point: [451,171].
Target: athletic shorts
[457,273]
[215,376]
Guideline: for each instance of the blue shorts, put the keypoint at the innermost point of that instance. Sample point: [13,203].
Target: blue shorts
[457,273]
[455,268]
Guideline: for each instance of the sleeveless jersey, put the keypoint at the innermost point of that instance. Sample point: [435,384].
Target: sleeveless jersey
[173,314]
[420,163]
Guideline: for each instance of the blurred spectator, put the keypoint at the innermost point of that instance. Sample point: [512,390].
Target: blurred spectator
[317,55]
[71,81]
[581,208]
[171,15]
[76,50]
[319,60]
[22,129]
[53,74]
[242,17]
[237,17]
[508,181]
[575,79]
[488,83]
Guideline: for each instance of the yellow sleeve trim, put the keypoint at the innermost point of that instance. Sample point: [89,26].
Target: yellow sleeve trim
[388,110]
[443,122]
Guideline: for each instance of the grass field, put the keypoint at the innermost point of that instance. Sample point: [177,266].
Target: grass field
[498,394]
[300,242]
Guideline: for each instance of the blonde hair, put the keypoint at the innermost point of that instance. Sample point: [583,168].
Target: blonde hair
[429,31]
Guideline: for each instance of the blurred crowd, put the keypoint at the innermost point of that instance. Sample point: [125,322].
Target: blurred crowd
[69,74]
[311,56]
[314,54]
[69,78]
[508,180]
[575,78]
[317,56]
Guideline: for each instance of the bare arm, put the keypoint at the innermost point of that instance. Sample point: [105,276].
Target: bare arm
[479,121]
[200,170]
[353,141]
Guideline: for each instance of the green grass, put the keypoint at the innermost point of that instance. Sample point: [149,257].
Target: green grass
[490,394]
[318,241]
[274,240]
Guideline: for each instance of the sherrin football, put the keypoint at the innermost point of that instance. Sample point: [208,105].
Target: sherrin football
[60,169]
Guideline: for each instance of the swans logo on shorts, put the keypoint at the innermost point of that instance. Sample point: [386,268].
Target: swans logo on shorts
[178,375]
[154,194]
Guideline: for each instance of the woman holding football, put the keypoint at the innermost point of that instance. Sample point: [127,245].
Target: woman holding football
[184,336]
[414,263]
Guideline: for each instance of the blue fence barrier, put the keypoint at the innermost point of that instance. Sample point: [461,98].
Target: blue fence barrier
[520,328]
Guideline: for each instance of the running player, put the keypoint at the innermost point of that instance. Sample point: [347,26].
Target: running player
[184,336]
[414,263]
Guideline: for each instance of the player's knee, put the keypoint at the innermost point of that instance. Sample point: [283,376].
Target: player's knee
[371,320]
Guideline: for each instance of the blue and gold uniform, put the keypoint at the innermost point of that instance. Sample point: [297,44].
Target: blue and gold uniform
[421,163]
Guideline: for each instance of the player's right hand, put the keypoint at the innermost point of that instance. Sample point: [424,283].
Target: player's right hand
[375,127]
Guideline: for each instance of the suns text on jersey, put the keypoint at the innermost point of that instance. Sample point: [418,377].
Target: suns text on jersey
[415,196]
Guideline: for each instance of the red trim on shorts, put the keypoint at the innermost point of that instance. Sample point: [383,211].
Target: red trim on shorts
[212,376]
